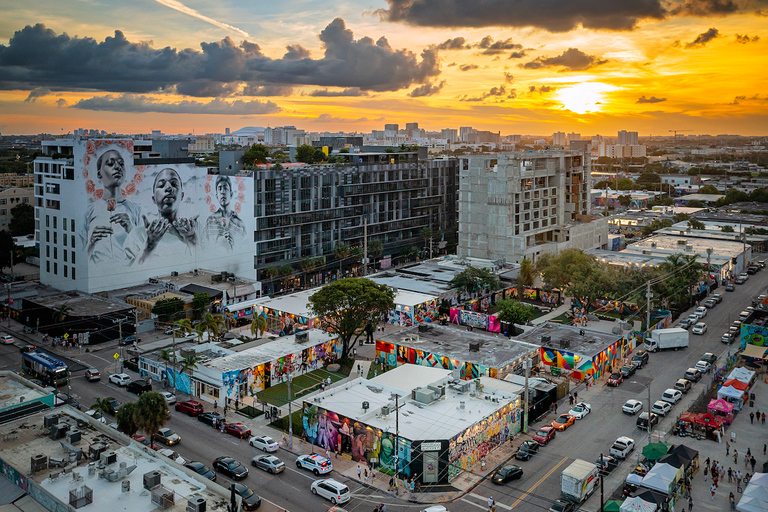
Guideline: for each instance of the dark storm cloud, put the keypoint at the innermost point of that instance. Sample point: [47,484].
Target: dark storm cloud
[492,47]
[705,8]
[37,93]
[38,57]
[457,43]
[468,67]
[494,92]
[745,39]
[571,59]
[703,38]
[560,17]
[351,91]
[139,103]
[61,103]
[508,78]
[540,90]
[426,90]
[518,55]
[652,99]
[267,90]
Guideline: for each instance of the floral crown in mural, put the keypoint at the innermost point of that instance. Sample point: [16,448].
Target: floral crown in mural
[91,147]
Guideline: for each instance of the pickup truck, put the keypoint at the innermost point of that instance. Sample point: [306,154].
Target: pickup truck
[622,447]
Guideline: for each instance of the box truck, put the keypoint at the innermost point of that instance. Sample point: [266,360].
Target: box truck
[665,339]
[579,481]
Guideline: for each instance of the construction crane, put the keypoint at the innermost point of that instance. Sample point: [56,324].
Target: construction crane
[676,132]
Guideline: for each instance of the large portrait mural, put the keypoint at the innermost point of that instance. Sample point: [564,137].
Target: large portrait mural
[149,220]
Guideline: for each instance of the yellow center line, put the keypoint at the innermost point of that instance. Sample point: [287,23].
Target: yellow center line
[534,486]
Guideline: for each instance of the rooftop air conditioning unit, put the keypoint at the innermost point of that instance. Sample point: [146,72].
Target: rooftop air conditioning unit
[151,479]
[474,346]
[196,504]
[385,410]
[302,337]
[546,339]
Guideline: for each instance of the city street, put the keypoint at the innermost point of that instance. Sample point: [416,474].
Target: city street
[540,484]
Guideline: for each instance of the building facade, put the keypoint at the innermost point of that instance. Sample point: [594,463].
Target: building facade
[520,205]
[11,197]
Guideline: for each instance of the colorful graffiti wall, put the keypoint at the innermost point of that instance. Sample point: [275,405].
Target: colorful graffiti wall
[362,442]
[396,355]
[754,334]
[593,368]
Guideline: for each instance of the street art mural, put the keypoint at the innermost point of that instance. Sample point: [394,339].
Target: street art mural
[594,367]
[396,355]
[754,334]
[427,312]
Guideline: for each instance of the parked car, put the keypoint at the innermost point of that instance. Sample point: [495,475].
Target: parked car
[544,435]
[317,464]
[580,410]
[728,337]
[672,395]
[606,463]
[615,379]
[643,421]
[709,357]
[96,415]
[175,457]
[752,270]
[139,386]
[683,385]
[703,366]
[238,430]
[332,490]
[121,379]
[113,403]
[507,474]
[129,340]
[693,318]
[167,436]
[744,276]
[92,375]
[251,500]
[142,440]
[685,323]
[622,447]
[561,505]
[709,303]
[264,443]
[230,467]
[661,407]
[760,298]
[700,312]
[563,422]
[190,408]
[717,297]
[268,463]
[201,469]
[632,407]
[170,398]
[640,359]
[744,315]
[739,280]
[729,287]
[526,450]
[209,418]
[692,374]
[699,328]
[628,370]
[65,399]
[6,339]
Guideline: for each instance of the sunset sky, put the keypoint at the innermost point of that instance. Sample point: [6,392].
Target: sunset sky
[515,66]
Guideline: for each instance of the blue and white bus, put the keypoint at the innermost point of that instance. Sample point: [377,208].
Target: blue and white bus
[45,368]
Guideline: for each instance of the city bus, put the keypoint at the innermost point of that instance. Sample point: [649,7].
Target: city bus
[45,368]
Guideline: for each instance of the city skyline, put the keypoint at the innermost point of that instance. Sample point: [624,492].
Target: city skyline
[589,66]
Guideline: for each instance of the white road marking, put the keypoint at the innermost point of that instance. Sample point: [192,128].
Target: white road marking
[485,499]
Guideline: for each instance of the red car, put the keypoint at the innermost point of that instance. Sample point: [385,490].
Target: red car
[190,407]
[615,379]
[237,429]
[545,435]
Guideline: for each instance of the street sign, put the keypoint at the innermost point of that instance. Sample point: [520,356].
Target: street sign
[66,335]
[555,371]
[116,356]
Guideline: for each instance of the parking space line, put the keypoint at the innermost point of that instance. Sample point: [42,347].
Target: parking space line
[534,486]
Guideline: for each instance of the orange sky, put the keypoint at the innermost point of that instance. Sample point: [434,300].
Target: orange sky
[697,66]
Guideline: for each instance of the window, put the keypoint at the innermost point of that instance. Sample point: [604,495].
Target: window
[64,224]
[47,236]
[72,239]
[55,236]
[3,212]
[73,259]
[55,268]
[65,271]
[48,266]
[64,255]
[47,251]
[72,228]
[47,221]
[73,272]
[55,253]
[64,239]
[54,222]
[3,201]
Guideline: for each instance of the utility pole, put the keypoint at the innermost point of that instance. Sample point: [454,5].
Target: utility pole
[430,248]
[602,495]
[290,402]
[174,357]
[525,408]
[397,441]
[649,412]
[365,247]
[120,341]
[648,296]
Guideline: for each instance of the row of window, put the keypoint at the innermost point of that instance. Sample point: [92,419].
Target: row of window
[12,200]
[67,271]
[63,223]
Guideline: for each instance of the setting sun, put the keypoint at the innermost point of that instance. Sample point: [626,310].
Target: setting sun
[584,97]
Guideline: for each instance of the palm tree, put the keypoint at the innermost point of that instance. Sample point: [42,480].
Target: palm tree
[342,252]
[184,326]
[200,330]
[258,326]
[215,325]
[151,413]
[375,249]
[166,356]
[60,314]
[103,406]
[126,419]
[189,363]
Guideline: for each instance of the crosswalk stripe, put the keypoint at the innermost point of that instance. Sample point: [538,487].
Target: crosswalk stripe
[485,499]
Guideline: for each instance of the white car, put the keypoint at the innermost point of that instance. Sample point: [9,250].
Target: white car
[580,410]
[317,464]
[703,366]
[700,311]
[435,508]
[96,415]
[693,318]
[172,455]
[170,398]
[331,489]
[6,339]
[661,407]
[121,379]
[622,447]
[744,276]
[699,328]
[263,443]
[672,396]
[632,407]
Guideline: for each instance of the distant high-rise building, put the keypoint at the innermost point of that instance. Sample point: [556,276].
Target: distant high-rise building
[411,126]
[558,139]
[627,138]
[465,132]
[157,133]
[515,138]
[449,134]
[226,131]
[574,136]
[392,126]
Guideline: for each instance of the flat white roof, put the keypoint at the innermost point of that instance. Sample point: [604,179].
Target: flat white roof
[408,298]
[411,376]
[268,352]
[441,419]
[295,303]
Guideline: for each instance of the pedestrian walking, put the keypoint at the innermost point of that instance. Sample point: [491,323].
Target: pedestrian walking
[706,472]
[751,417]
[391,483]
[749,451]
[215,405]
[690,503]
[712,490]
[732,501]
[491,504]
[575,397]
[727,447]
[738,476]
[746,462]
[482,464]
[730,475]
[706,462]
[358,471]
[365,475]
[735,456]
[763,418]
[752,462]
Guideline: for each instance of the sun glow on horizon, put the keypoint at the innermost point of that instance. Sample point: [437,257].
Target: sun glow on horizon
[584,97]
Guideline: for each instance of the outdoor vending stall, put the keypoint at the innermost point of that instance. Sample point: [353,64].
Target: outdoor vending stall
[721,409]
[712,426]
[734,392]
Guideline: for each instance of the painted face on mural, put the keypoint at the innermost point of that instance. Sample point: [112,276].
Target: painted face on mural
[167,193]
[110,169]
[223,191]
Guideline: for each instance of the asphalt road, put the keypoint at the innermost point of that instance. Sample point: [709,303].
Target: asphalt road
[535,491]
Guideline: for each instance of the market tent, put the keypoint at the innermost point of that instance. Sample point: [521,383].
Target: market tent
[732,395]
[655,451]
[634,479]
[736,383]
[756,491]
[755,351]
[708,420]
[759,479]
[687,417]
[720,405]
[750,504]
[612,506]
[685,452]
[637,504]
[662,478]
[742,374]
[674,460]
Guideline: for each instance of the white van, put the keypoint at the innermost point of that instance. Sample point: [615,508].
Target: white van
[332,490]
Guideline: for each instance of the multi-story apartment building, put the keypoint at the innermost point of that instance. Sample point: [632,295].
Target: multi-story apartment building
[626,138]
[558,139]
[306,212]
[16,180]
[520,205]
[11,197]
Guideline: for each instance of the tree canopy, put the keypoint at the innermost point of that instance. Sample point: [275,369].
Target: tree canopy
[22,220]
[256,154]
[166,309]
[309,154]
[199,302]
[473,280]
[527,272]
[708,189]
[346,306]
[151,413]
[126,419]
[514,312]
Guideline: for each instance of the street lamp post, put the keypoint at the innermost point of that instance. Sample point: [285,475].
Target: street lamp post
[648,387]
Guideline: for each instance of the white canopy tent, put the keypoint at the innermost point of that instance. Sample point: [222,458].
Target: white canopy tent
[637,504]
[732,395]
[750,504]
[742,375]
[662,478]
[755,497]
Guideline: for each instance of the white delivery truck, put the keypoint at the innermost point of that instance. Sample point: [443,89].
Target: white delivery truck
[665,339]
[579,481]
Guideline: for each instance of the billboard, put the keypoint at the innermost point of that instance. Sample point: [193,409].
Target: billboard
[141,221]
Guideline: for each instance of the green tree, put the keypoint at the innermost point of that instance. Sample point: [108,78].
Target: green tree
[473,280]
[151,413]
[189,363]
[625,200]
[708,189]
[61,313]
[726,228]
[656,225]
[126,419]
[514,312]
[166,309]
[375,248]
[305,153]
[166,356]
[680,217]
[527,272]
[214,325]
[7,248]
[256,154]
[695,203]
[103,406]
[696,224]
[200,301]
[341,251]
[22,220]
[579,275]
[602,184]
[648,178]
[624,184]
[346,306]
[258,325]
[680,273]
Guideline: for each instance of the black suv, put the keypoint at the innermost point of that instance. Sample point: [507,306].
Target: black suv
[139,386]
[628,370]
[640,359]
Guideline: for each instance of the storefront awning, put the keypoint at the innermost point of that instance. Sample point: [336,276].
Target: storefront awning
[755,351]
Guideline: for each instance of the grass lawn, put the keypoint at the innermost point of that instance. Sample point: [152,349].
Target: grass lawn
[302,384]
